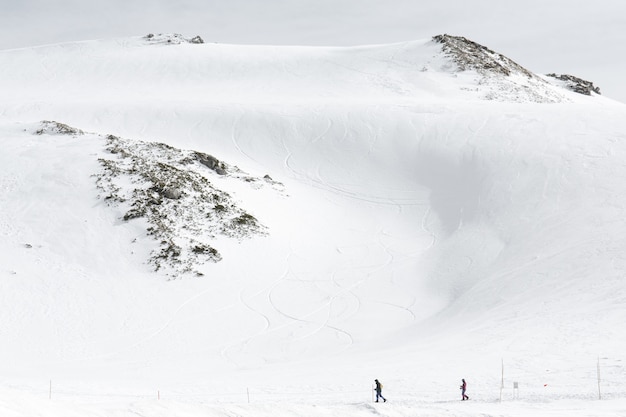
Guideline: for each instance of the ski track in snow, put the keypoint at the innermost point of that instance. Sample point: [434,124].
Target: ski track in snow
[332,298]
[245,301]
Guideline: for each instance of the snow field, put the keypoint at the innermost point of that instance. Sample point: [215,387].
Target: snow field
[422,236]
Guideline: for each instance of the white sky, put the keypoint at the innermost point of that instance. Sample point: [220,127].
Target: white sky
[582,38]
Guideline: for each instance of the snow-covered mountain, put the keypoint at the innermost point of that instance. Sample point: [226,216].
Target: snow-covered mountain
[211,221]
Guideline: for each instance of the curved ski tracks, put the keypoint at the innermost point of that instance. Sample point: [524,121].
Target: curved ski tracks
[319,319]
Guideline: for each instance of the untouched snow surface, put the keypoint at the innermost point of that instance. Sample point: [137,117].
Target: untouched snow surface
[423,225]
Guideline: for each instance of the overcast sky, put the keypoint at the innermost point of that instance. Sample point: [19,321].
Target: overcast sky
[579,37]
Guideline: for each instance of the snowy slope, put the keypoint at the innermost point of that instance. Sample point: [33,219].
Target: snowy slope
[418,223]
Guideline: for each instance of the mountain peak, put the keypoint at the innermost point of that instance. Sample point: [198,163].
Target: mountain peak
[499,78]
[469,55]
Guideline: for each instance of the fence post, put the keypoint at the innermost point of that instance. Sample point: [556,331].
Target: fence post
[599,390]
[50,391]
[248,393]
[502,380]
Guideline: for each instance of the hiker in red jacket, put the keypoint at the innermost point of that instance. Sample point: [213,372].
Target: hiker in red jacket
[463,388]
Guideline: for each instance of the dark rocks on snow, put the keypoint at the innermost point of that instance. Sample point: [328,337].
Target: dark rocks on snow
[211,162]
[170,190]
[172,193]
[576,84]
[172,39]
[55,128]
[469,55]
[196,39]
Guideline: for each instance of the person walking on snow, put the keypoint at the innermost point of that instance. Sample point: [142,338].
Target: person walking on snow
[379,390]
[463,388]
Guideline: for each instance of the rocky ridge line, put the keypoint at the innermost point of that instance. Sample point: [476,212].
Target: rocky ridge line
[505,79]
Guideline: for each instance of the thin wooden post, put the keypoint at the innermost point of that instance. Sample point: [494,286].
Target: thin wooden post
[599,389]
[248,393]
[502,380]
[50,391]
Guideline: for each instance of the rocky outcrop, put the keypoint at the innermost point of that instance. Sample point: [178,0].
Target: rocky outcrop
[211,162]
[171,39]
[55,128]
[578,85]
[500,78]
[468,55]
[170,190]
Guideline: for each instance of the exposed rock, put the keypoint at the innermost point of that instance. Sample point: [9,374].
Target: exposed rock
[55,128]
[468,54]
[196,39]
[211,162]
[498,77]
[171,39]
[171,192]
[576,84]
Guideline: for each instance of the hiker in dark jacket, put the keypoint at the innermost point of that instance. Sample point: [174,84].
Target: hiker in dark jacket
[379,390]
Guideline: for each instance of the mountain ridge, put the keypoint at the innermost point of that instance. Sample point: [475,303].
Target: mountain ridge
[405,70]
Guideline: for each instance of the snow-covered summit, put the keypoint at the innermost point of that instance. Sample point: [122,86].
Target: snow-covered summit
[502,78]
[159,66]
